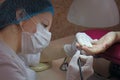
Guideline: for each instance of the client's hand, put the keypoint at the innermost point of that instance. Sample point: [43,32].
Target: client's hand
[100,45]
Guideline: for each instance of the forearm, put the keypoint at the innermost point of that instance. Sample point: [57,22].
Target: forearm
[55,49]
[52,52]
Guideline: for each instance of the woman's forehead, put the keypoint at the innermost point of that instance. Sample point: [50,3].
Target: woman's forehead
[35,19]
[40,18]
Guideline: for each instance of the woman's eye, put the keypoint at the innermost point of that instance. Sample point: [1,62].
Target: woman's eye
[45,25]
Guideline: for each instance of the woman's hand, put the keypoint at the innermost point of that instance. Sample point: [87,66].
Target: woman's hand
[100,45]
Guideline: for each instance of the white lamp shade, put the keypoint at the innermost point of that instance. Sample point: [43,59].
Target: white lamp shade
[94,13]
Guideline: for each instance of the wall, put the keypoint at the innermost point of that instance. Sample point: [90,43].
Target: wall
[61,27]
[118,3]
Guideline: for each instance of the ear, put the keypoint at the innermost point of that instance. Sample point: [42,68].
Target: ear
[20,13]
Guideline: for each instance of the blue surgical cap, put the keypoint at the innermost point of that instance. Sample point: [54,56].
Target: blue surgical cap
[32,7]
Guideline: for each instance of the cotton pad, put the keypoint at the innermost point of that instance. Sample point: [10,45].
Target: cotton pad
[41,67]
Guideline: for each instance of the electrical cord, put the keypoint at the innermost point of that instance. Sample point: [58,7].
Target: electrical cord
[80,70]
[64,65]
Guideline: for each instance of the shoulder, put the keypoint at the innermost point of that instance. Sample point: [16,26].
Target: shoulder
[5,59]
[9,70]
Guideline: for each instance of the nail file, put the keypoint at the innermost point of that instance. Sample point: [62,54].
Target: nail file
[83,39]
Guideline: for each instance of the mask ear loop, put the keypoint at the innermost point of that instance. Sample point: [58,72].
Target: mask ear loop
[22,29]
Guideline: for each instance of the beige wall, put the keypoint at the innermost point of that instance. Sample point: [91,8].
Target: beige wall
[61,27]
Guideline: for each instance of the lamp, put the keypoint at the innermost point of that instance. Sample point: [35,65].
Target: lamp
[94,13]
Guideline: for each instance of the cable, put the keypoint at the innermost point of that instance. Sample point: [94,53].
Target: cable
[80,70]
[64,65]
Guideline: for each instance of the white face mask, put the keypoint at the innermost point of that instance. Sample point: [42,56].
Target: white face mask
[35,42]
